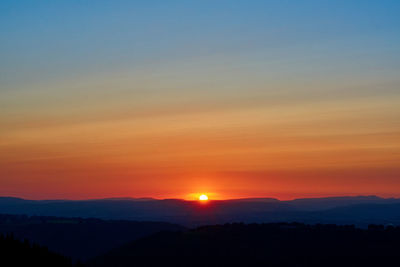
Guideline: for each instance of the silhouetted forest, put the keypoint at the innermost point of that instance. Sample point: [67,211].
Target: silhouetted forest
[14,252]
[124,243]
[79,238]
[278,244]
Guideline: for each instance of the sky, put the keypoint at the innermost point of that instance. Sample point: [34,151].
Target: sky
[171,99]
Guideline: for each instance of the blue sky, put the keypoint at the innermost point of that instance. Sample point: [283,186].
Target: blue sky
[61,39]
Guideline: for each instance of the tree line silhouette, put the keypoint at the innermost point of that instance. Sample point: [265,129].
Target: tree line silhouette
[237,244]
[15,252]
[275,245]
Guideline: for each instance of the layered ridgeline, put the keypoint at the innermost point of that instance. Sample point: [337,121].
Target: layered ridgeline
[78,238]
[361,211]
[125,232]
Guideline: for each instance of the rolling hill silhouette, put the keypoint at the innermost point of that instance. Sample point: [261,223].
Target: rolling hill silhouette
[126,232]
[361,210]
[272,245]
[79,238]
[17,253]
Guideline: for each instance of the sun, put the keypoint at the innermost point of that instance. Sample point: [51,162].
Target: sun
[203,197]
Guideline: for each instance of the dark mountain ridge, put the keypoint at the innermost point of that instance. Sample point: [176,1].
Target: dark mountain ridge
[275,245]
[15,252]
[194,213]
[79,238]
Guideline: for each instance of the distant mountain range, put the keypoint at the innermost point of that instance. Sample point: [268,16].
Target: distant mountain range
[359,210]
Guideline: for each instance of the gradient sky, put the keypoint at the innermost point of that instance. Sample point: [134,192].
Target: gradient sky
[174,98]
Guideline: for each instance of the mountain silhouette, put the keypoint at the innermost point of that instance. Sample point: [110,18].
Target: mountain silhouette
[280,244]
[15,253]
[347,210]
[79,238]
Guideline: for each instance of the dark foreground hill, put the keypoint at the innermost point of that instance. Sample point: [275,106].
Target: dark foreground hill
[79,238]
[272,245]
[15,253]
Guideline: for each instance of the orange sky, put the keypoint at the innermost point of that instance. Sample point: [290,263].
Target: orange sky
[232,103]
[59,143]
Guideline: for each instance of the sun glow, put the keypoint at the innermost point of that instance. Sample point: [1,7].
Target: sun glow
[203,197]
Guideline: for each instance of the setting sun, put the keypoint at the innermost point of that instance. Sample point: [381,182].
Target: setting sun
[203,197]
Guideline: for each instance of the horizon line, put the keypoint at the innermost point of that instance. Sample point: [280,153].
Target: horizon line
[191,200]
